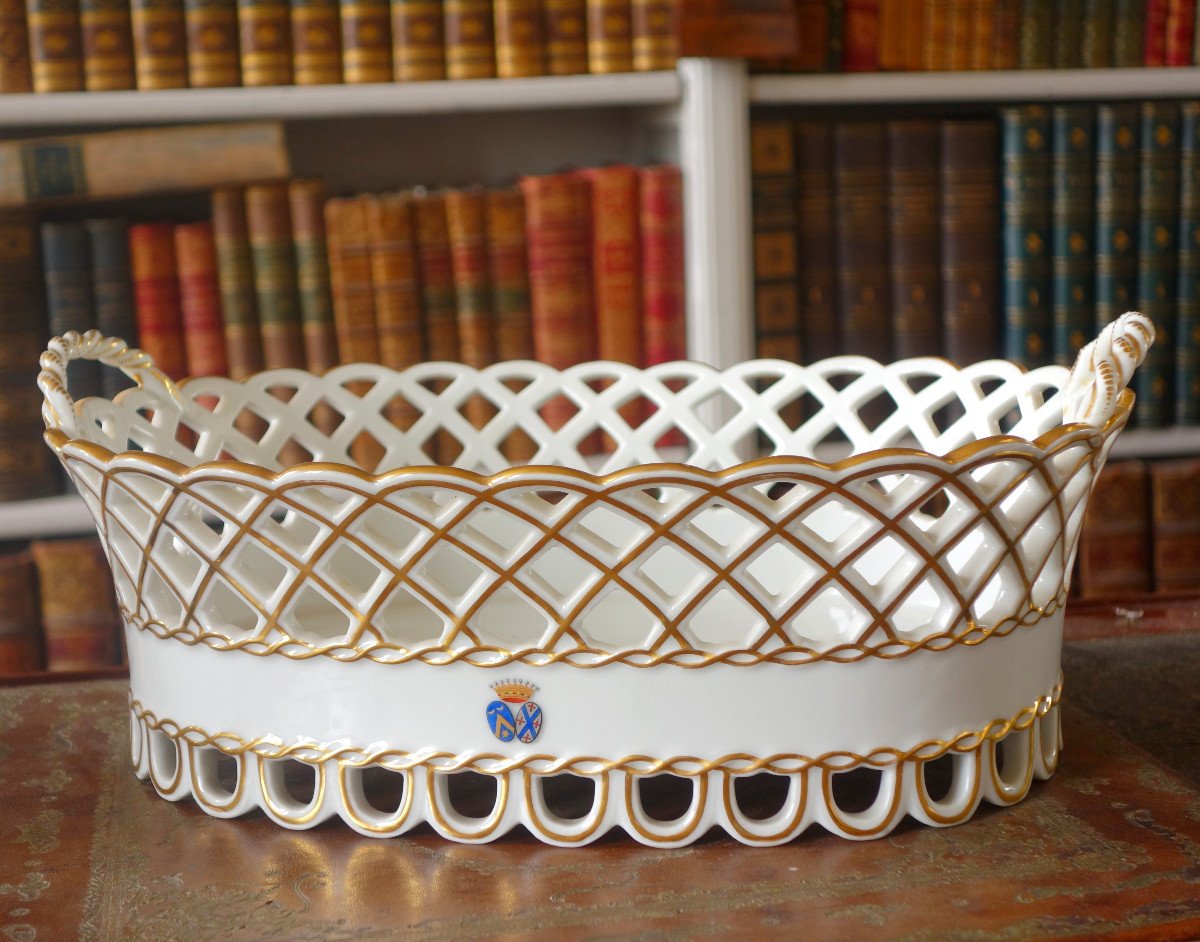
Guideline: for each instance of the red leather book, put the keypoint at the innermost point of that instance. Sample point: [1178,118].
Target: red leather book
[20,632]
[1180,32]
[200,299]
[664,327]
[79,613]
[616,263]
[156,296]
[1155,35]
[1114,546]
[860,36]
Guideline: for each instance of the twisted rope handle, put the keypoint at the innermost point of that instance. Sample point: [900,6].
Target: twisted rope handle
[58,408]
[1104,367]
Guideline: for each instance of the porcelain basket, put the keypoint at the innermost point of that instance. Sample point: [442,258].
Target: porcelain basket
[599,616]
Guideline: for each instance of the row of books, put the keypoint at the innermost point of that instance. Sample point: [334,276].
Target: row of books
[102,45]
[961,35]
[59,611]
[1017,235]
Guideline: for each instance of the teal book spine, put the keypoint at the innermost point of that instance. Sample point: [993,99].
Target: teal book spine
[1116,211]
[1025,201]
[1187,323]
[1073,229]
[1036,46]
[1158,260]
[1129,18]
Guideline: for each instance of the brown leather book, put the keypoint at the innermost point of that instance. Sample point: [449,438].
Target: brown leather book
[235,271]
[891,35]
[935,50]
[564,31]
[316,42]
[392,249]
[519,49]
[306,199]
[15,74]
[200,299]
[983,22]
[156,296]
[470,39]
[55,45]
[1176,524]
[269,223]
[212,43]
[265,41]
[80,620]
[860,222]
[815,242]
[958,36]
[775,222]
[970,240]
[914,236]
[616,262]
[466,223]
[437,276]
[1114,545]
[912,22]
[20,621]
[107,43]
[418,40]
[366,41]
[664,300]
[610,36]
[1006,35]
[159,43]
[751,29]
[655,34]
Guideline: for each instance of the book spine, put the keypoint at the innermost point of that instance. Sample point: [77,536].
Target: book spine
[983,22]
[437,277]
[1158,262]
[213,60]
[837,32]
[508,265]
[470,39]
[664,325]
[1026,234]
[775,223]
[958,36]
[265,42]
[1114,544]
[891,35]
[353,293]
[15,74]
[935,46]
[1129,43]
[1068,34]
[67,262]
[970,226]
[366,41]
[1006,35]
[860,36]
[159,43]
[609,36]
[1175,487]
[200,299]
[55,45]
[79,614]
[306,202]
[112,291]
[815,240]
[656,34]
[913,26]
[1037,33]
[1187,325]
[1073,229]
[1154,39]
[914,236]
[1098,29]
[860,219]
[20,636]
[235,272]
[106,41]
[1116,211]
[269,223]
[317,42]
[1180,32]
[156,296]
[418,40]
[564,26]
[465,227]
[616,262]
[394,270]
[519,51]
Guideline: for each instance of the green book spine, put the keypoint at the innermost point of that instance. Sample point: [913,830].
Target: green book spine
[1129,18]
[1116,211]
[1068,34]
[1187,324]
[1074,229]
[1098,34]
[1037,30]
[1025,199]
[1158,262]
[773,212]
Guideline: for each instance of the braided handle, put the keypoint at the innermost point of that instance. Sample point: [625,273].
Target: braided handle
[58,408]
[1104,367]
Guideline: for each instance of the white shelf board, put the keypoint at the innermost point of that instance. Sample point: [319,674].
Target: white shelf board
[338,101]
[1042,85]
[1175,442]
[47,516]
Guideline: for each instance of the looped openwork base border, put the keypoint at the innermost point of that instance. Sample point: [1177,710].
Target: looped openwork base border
[996,763]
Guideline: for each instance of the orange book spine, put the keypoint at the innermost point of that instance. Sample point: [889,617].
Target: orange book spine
[958,36]
[79,613]
[156,296]
[912,22]
[306,200]
[437,277]
[983,17]
[269,223]
[564,30]
[891,35]
[316,42]
[609,36]
[393,269]
[508,265]
[265,41]
[159,43]
[663,293]
[200,299]
[55,46]
[418,40]
[15,74]
[465,225]
[235,271]
[470,39]
[212,43]
[366,41]
[616,262]
[519,51]
[107,43]
[935,49]
[655,34]
[20,638]
[349,248]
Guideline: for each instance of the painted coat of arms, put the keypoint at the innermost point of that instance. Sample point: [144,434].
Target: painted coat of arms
[514,715]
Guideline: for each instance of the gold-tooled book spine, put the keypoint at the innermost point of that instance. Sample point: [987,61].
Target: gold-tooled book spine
[437,277]
[366,41]
[107,41]
[316,42]
[349,248]
[392,253]
[774,223]
[159,43]
[265,40]
[655,34]
[610,36]
[465,222]
[983,21]
[519,51]
[20,635]
[815,243]
[418,40]
[55,48]
[891,35]
[616,262]
[212,43]
[156,296]
[307,204]
[470,39]
[957,57]
[935,48]
[269,222]
[15,75]
[79,613]
[235,272]
[564,31]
